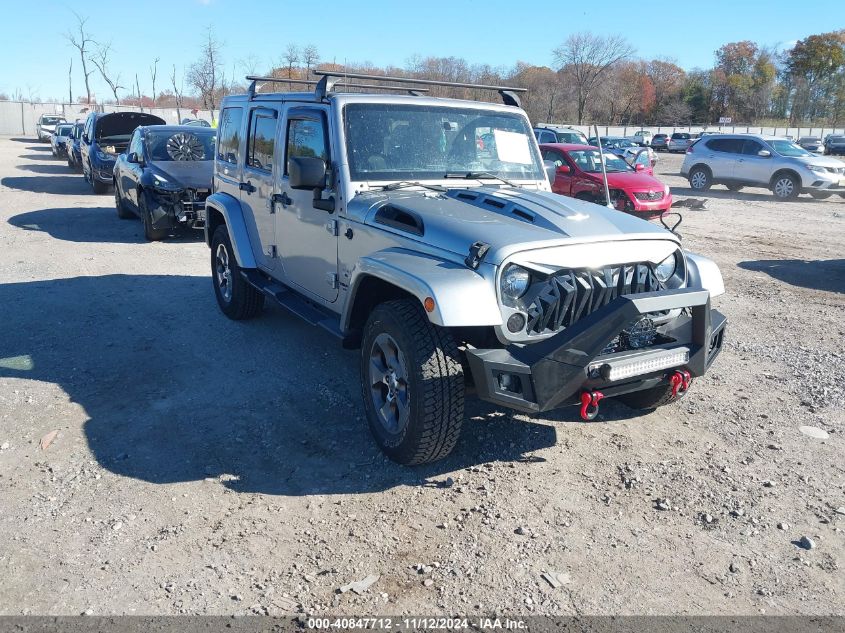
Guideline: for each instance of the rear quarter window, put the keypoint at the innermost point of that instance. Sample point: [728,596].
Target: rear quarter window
[229,134]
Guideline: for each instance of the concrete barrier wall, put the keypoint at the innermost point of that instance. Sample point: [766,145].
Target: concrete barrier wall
[795,132]
[18,118]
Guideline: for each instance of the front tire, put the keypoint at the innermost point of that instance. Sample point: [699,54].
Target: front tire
[785,187]
[650,399]
[412,383]
[237,299]
[122,212]
[151,234]
[96,185]
[700,179]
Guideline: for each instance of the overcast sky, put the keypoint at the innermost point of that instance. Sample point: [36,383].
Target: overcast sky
[496,32]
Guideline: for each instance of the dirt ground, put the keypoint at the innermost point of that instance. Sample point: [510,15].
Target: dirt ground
[206,466]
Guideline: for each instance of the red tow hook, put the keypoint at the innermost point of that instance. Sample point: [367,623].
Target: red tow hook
[680,381]
[590,404]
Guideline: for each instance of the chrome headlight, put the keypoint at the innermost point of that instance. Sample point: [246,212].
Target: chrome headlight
[514,282]
[163,184]
[819,168]
[665,269]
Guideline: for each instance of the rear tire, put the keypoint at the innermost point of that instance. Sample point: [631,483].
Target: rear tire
[785,187]
[700,178]
[412,383]
[237,299]
[650,399]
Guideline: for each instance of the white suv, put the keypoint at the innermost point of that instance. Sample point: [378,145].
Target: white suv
[738,160]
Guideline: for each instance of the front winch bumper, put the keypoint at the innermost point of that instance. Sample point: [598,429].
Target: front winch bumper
[554,372]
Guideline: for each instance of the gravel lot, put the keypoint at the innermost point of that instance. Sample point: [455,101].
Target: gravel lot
[207,466]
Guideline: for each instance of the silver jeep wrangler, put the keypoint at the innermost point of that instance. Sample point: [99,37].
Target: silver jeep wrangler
[423,232]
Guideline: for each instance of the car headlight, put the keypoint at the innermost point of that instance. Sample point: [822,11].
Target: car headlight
[665,269]
[101,155]
[818,168]
[666,190]
[514,282]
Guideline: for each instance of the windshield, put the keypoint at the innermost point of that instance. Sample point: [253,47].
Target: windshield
[181,146]
[589,160]
[417,142]
[51,120]
[63,130]
[788,148]
[571,137]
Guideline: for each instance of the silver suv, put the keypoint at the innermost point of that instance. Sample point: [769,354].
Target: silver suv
[739,160]
[559,134]
[423,232]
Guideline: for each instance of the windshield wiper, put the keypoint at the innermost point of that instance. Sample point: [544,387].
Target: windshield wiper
[480,175]
[406,183]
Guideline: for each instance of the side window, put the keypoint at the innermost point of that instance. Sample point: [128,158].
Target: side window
[555,157]
[750,148]
[229,134]
[726,145]
[135,145]
[262,140]
[306,137]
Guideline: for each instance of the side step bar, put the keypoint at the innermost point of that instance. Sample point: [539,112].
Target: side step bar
[294,303]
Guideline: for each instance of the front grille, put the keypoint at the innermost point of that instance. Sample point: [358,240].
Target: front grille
[569,295]
[649,195]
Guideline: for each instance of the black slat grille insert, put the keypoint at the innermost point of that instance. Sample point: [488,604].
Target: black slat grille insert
[570,295]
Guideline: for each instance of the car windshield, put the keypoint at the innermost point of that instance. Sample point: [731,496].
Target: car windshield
[181,146]
[419,142]
[788,148]
[589,160]
[809,139]
[836,139]
[51,120]
[63,130]
[570,137]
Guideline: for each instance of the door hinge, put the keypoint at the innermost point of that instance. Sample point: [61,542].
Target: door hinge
[271,205]
[271,251]
[331,279]
[331,227]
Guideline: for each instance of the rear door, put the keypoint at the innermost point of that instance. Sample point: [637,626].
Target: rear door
[257,180]
[306,237]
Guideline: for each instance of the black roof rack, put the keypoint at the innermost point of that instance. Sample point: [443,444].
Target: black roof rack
[331,77]
[313,82]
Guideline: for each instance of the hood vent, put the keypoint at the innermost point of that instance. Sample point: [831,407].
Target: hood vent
[493,203]
[400,219]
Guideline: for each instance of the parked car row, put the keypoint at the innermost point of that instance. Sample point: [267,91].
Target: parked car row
[159,173]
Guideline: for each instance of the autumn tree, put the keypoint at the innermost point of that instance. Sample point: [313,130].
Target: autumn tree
[586,58]
[816,68]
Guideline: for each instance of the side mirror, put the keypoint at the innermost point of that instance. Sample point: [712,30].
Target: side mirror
[764,153]
[563,169]
[639,167]
[306,172]
[133,157]
[550,168]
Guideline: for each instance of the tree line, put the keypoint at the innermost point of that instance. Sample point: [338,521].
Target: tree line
[594,78]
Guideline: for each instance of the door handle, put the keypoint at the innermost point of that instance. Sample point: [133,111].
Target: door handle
[246,186]
[281,198]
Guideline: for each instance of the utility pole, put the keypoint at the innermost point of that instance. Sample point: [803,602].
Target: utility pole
[70,82]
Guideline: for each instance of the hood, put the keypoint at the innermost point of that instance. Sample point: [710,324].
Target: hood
[630,180]
[824,161]
[509,219]
[123,123]
[191,174]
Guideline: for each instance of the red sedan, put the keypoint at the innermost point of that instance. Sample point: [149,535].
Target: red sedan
[634,190]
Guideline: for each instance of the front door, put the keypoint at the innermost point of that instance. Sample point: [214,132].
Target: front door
[751,166]
[256,186]
[306,237]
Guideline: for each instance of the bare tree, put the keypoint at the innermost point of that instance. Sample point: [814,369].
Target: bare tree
[291,57]
[80,42]
[101,61]
[310,57]
[138,88]
[204,75]
[177,93]
[586,57]
[153,73]
[70,82]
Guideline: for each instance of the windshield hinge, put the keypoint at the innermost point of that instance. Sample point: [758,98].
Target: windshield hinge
[476,254]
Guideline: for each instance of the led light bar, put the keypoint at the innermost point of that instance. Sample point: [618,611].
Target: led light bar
[617,370]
